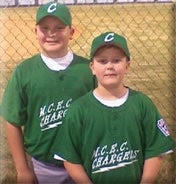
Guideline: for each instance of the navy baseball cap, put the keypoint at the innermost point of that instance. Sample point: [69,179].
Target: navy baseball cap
[109,38]
[55,9]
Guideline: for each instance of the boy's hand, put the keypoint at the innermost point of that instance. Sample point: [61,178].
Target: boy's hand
[26,177]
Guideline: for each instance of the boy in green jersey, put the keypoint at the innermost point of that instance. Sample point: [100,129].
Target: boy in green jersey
[113,134]
[39,93]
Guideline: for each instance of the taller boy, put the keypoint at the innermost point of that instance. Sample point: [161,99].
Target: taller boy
[39,93]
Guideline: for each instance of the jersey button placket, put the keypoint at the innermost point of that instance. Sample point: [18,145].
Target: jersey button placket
[113,121]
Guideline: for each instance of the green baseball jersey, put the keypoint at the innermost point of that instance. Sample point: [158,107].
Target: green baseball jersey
[38,98]
[112,143]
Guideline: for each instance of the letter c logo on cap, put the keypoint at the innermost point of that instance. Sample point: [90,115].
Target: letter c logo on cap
[52,8]
[109,37]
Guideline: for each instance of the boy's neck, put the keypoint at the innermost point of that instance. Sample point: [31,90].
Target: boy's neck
[58,64]
[110,94]
[54,54]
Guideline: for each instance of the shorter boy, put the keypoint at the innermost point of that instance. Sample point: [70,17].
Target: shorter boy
[113,134]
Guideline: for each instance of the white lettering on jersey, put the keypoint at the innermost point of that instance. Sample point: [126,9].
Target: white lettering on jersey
[110,157]
[51,115]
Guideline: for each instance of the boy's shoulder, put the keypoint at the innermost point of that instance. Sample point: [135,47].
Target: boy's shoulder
[78,58]
[137,94]
[30,61]
[28,64]
[84,100]
[139,97]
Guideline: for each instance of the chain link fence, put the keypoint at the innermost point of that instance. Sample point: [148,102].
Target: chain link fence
[150,31]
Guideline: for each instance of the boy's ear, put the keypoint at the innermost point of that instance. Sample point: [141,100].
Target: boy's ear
[35,30]
[72,31]
[128,66]
[91,65]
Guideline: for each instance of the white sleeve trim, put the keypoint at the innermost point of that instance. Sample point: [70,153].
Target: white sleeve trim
[168,152]
[57,157]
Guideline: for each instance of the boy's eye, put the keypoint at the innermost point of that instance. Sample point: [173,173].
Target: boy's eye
[116,60]
[105,61]
[56,28]
[43,27]
[60,27]
[102,61]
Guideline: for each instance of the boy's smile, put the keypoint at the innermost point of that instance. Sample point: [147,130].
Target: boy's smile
[53,36]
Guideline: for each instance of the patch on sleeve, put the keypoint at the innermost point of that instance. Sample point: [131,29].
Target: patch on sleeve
[163,127]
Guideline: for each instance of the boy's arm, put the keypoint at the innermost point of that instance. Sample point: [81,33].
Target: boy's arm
[151,169]
[15,141]
[77,173]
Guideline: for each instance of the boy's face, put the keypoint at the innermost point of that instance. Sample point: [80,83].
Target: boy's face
[110,65]
[53,36]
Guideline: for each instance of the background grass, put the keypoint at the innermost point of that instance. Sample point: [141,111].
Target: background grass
[150,31]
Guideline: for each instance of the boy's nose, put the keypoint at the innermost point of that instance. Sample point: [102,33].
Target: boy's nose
[110,63]
[51,33]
